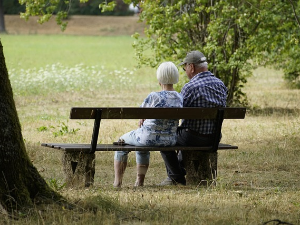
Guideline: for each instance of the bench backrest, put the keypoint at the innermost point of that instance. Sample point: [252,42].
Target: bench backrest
[97,114]
[156,113]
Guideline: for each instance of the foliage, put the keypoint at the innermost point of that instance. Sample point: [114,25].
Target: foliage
[276,38]
[63,8]
[229,33]
[45,9]
[12,7]
[118,8]
[90,7]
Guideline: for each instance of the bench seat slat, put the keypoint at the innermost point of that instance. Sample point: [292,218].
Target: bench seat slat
[111,147]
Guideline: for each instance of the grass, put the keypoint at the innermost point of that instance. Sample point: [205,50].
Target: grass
[257,183]
[36,51]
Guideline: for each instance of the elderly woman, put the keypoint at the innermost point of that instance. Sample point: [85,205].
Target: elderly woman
[151,132]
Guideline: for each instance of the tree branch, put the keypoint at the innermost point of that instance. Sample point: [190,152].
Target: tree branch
[295,14]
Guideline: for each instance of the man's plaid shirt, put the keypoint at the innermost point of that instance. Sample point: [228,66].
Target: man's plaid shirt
[203,90]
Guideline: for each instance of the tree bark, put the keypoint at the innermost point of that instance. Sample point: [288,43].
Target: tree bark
[20,182]
[2,24]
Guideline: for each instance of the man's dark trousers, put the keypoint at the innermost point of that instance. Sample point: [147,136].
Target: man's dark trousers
[173,161]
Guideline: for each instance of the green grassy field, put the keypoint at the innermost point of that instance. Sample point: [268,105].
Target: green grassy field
[257,183]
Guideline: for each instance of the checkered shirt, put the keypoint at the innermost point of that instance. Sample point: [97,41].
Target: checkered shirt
[203,90]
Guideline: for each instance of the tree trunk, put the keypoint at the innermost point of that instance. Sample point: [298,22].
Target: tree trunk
[2,24]
[20,182]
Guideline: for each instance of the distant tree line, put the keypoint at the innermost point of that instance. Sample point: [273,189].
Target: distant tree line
[76,8]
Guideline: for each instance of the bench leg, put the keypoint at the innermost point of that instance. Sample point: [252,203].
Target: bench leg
[79,169]
[201,167]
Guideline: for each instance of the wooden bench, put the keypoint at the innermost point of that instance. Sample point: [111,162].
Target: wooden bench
[200,162]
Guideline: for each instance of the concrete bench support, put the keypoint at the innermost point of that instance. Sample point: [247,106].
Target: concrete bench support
[201,167]
[79,169]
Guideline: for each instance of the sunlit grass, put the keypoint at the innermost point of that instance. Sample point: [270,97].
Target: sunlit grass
[267,89]
[34,51]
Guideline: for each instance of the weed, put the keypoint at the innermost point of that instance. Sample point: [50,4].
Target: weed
[42,128]
[64,129]
[56,184]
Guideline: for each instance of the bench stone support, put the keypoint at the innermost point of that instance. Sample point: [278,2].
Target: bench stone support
[79,169]
[201,167]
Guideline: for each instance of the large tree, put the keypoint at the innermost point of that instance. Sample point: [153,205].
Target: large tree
[20,183]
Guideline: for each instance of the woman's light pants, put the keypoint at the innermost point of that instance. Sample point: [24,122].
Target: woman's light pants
[142,157]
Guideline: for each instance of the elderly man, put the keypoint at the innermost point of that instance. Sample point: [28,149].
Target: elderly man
[203,90]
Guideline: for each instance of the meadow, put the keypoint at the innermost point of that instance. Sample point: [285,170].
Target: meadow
[257,183]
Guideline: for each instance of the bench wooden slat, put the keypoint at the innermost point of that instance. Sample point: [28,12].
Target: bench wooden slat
[110,147]
[155,113]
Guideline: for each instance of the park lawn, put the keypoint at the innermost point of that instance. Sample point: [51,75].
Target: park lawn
[257,183]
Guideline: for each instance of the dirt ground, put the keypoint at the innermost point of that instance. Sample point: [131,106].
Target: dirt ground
[77,25]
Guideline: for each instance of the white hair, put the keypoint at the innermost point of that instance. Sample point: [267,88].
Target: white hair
[201,65]
[167,73]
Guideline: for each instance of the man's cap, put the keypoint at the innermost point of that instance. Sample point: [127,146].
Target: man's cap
[194,57]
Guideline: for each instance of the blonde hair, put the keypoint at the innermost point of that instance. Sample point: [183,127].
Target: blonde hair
[167,73]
